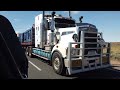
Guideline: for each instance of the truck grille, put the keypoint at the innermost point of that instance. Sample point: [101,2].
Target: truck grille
[91,38]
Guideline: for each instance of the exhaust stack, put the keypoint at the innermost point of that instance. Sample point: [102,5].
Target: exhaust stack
[70,15]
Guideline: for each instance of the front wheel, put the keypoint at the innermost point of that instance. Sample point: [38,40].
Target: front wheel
[57,63]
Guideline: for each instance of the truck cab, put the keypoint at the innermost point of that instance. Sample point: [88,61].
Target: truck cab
[70,47]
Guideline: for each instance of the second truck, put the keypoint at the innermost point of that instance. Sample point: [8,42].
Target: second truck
[69,46]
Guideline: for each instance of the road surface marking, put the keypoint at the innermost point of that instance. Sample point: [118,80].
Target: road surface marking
[35,66]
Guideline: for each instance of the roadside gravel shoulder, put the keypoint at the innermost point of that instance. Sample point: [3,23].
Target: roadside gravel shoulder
[115,62]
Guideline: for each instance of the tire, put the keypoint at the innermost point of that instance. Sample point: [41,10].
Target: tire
[58,64]
[30,52]
[27,51]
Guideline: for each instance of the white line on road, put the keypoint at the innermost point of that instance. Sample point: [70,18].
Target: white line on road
[35,65]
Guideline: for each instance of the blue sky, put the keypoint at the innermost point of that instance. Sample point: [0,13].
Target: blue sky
[107,22]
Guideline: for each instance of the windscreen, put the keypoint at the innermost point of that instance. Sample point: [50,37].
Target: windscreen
[90,29]
[63,23]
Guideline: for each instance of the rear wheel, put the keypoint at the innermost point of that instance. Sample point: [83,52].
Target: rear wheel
[57,63]
[27,51]
[30,52]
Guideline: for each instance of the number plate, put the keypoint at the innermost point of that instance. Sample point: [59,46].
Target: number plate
[76,63]
[91,52]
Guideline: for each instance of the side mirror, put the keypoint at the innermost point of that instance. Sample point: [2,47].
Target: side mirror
[46,24]
[52,22]
[80,19]
[53,14]
[58,36]
[75,37]
[52,26]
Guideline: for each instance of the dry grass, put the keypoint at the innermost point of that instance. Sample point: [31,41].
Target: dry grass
[115,51]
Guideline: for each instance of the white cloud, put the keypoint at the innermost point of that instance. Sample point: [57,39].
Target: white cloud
[22,29]
[28,27]
[73,12]
[16,20]
[47,13]
[66,11]
[17,32]
[3,11]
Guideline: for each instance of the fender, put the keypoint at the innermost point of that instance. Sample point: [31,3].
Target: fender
[60,49]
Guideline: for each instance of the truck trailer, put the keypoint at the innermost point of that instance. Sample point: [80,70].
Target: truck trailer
[27,38]
[69,46]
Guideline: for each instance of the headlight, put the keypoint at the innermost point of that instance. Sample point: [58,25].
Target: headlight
[66,51]
[102,43]
[73,52]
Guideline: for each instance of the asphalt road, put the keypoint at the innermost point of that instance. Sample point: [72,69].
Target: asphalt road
[38,69]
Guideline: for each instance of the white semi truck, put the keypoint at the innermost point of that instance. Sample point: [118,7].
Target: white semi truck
[69,46]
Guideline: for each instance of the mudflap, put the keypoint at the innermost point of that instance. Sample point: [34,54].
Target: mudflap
[13,61]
